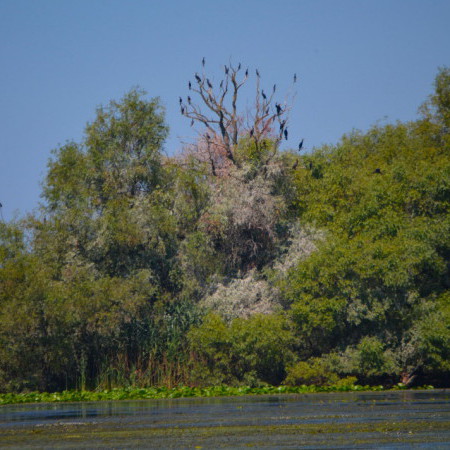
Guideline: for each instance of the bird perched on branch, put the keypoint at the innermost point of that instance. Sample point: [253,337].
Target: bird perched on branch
[199,80]
[203,62]
[295,78]
[286,134]
[300,146]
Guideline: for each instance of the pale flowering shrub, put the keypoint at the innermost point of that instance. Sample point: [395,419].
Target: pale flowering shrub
[300,243]
[242,297]
[241,219]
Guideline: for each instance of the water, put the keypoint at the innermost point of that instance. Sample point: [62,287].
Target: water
[400,419]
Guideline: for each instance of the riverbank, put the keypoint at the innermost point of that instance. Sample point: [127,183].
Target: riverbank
[182,392]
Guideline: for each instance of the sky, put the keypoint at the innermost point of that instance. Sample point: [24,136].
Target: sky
[358,62]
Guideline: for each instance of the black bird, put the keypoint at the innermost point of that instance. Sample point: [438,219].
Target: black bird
[282,124]
[295,165]
[203,62]
[181,100]
[190,85]
[278,108]
[199,80]
[226,70]
[263,95]
[208,137]
[300,146]
[246,73]
[189,99]
[182,110]
[192,122]
[239,66]
[257,73]
[221,84]
[1,206]
[251,132]
[209,83]
[377,170]
[285,134]
[274,87]
[295,78]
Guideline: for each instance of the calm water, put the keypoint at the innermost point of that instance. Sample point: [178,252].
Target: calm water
[401,419]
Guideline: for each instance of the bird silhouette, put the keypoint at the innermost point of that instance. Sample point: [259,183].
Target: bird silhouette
[295,78]
[278,108]
[286,134]
[189,99]
[226,70]
[239,66]
[182,110]
[377,170]
[300,146]
[251,132]
[199,80]
[190,85]
[274,87]
[208,137]
[221,84]
[209,83]
[295,165]
[181,100]
[263,95]
[203,62]
[257,73]
[246,73]
[192,122]
[282,124]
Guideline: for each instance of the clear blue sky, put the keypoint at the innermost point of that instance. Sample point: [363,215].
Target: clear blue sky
[358,61]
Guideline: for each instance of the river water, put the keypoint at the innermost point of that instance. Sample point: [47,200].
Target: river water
[397,419]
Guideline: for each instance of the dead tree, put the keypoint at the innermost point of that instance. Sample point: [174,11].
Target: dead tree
[216,110]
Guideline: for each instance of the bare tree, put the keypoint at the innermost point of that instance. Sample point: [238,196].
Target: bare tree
[216,109]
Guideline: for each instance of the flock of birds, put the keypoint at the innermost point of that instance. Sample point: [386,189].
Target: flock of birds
[278,107]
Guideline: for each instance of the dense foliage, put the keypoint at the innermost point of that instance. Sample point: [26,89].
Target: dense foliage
[146,270]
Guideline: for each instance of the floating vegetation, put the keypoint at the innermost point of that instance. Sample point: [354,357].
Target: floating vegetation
[180,392]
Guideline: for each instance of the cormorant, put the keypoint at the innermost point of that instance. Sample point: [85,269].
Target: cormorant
[190,85]
[192,122]
[251,132]
[300,145]
[209,83]
[286,133]
[246,73]
[189,99]
[181,100]
[274,87]
[295,78]
[263,95]
[226,70]
[239,66]
[278,108]
[199,80]
[203,62]
[257,73]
